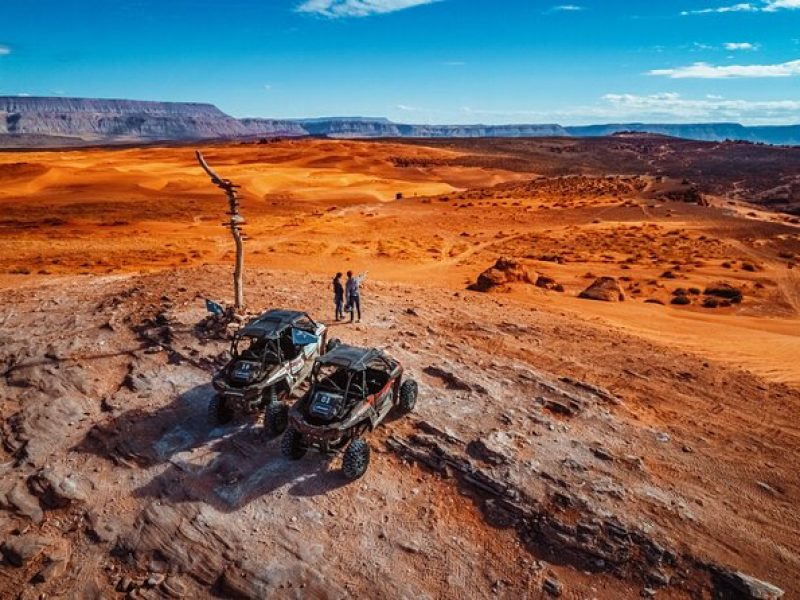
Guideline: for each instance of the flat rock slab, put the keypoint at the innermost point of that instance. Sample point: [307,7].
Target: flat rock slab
[22,549]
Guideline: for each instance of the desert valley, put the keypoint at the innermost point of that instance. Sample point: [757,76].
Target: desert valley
[605,333]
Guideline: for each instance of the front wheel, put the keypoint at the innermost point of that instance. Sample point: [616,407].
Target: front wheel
[408,395]
[292,445]
[219,413]
[356,459]
[276,417]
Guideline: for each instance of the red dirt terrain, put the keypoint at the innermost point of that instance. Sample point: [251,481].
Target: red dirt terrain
[608,382]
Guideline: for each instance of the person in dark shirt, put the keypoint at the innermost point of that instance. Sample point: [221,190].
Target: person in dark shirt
[338,296]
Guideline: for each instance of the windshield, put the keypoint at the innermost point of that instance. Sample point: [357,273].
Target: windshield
[253,348]
[331,378]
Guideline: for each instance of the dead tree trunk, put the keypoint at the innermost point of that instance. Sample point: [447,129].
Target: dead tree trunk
[235,225]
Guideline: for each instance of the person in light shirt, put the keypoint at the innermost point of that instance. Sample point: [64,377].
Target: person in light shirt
[353,290]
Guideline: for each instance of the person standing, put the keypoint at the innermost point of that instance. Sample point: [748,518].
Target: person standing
[338,296]
[353,288]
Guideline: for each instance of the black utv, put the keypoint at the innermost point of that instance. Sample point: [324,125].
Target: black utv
[352,391]
[270,357]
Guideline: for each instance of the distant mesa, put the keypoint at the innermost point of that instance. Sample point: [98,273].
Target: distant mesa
[75,121]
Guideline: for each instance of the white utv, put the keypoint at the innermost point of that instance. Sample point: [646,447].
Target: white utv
[271,357]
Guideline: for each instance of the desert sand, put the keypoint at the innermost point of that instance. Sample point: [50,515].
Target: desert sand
[644,446]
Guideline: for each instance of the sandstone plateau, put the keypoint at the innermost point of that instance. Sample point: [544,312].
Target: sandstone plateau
[561,446]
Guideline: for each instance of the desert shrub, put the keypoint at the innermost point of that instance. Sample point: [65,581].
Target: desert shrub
[723,290]
[680,300]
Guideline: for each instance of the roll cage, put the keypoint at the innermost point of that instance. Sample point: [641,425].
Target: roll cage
[368,375]
[268,338]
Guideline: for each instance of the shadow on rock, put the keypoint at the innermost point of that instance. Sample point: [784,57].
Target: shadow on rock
[241,466]
[225,466]
[144,437]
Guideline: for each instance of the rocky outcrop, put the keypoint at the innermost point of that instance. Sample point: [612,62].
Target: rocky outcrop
[504,272]
[605,289]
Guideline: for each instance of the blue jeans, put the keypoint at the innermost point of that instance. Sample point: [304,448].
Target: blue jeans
[355,305]
[339,302]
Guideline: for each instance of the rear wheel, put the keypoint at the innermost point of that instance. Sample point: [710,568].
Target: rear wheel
[356,459]
[219,413]
[276,417]
[292,445]
[332,343]
[408,395]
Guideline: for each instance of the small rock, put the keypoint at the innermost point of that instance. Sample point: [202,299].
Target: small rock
[174,587]
[125,584]
[662,437]
[602,453]
[767,488]
[155,579]
[658,578]
[552,586]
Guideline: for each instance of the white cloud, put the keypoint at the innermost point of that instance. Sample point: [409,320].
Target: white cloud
[673,106]
[740,46]
[774,5]
[763,6]
[666,107]
[566,8]
[267,86]
[4,50]
[701,70]
[454,63]
[335,9]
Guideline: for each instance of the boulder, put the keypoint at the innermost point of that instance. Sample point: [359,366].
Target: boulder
[19,499]
[605,289]
[504,272]
[750,588]
[58,488]
[548,283]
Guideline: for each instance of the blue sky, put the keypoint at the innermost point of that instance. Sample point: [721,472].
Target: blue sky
[421,61]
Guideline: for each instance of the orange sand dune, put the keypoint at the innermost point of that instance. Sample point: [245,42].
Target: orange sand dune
[320,206]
